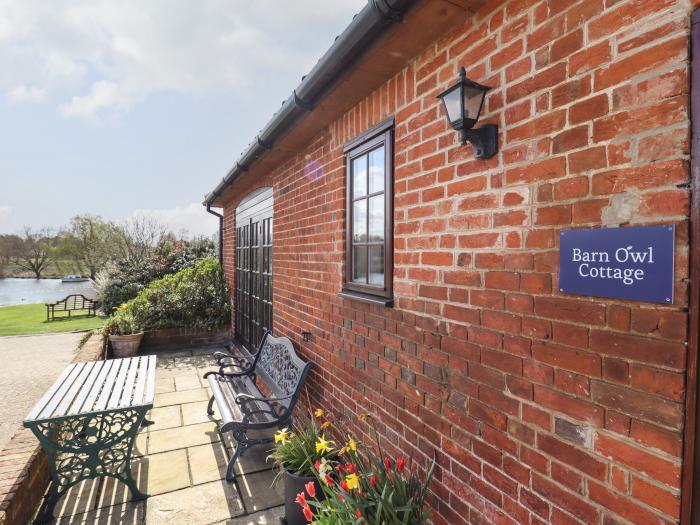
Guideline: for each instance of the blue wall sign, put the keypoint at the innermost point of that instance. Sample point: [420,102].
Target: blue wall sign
[623,263]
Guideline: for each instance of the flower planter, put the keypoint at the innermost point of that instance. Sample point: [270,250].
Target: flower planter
[293,485]
[125,345]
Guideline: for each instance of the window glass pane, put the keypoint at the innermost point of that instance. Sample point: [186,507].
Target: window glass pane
[359,264]
[359,176]
[359,221]
[376,218]
[376,265]
[376,170]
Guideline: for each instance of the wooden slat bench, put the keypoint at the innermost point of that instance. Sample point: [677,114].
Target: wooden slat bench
[239,387]
[71,303]
[88,420]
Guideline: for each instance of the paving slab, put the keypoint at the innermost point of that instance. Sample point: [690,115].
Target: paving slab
[182,437]
[178,398]
[193,413]
[187,381]
[252,486]
[198,505]
[163,417]
[154,474]
[79,498]
[207,463]
[131,513]
[164,384]
[266,517]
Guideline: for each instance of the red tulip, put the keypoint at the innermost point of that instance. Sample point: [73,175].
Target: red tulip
[317,466]
[329,480]
[301,500]
[308,514]
[400,464]
[387,463]
[344,486]
[351,468]
[358,513]
[310,489]
[372,481]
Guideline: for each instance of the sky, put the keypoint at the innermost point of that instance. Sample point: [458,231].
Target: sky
[127,107]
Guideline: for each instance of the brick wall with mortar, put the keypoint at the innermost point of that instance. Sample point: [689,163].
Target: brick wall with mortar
[540,408]
[24,471]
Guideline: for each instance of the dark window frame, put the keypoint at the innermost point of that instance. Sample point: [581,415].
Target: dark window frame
[382,134]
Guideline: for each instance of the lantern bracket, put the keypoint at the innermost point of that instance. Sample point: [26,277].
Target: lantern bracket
[484,140]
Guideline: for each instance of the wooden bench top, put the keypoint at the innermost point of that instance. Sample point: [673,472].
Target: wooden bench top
[97,386]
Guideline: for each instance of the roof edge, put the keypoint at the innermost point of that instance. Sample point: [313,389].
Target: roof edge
[365,27]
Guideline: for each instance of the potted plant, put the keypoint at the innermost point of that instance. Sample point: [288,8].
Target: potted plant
[123,332]
[368,487]
[300,454]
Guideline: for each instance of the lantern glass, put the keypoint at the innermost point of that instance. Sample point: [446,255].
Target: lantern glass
[452,100]
[473,100]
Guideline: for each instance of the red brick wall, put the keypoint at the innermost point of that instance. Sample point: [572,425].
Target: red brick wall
[540,408]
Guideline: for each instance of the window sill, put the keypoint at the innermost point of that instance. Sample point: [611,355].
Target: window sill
[366,298]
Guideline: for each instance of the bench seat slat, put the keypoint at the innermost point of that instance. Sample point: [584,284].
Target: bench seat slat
[39,406]
[87,388]
[69,398]
[89,403]
[50,407]
[108,385]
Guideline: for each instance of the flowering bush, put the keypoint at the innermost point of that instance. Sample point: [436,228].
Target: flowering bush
[302,451]
[121,323]
[196,297]
[366,486]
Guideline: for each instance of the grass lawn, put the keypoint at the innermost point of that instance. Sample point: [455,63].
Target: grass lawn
[28,319]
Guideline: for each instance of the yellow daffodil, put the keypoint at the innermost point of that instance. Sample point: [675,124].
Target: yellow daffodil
[325,425]
[282,436]
[363,417]
[352,481]
[351,446]
[323,445]
[319,412]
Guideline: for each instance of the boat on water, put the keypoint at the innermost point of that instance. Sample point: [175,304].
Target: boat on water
[74,279]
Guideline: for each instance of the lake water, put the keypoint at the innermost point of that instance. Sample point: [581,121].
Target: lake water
[31,291]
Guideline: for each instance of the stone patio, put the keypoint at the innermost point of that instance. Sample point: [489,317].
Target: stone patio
[180,461]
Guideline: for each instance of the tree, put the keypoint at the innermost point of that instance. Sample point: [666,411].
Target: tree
[6,250]
[33,250]
[89,242]
[138,238]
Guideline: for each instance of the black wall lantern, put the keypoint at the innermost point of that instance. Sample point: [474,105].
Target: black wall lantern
[463,102]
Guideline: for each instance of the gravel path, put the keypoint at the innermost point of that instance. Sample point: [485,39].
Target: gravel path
[28,367]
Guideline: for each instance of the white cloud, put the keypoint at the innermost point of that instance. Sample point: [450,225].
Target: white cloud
[103,95]
[101,55]
[5,214]
[21,94]
[193,218]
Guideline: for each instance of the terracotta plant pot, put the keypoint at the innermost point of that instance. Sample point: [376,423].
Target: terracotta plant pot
[125,345]
[293,485]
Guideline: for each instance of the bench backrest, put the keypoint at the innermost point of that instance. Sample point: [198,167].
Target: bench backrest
[280,368]
[75,302]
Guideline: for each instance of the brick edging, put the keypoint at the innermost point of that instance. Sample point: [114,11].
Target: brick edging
[24,471]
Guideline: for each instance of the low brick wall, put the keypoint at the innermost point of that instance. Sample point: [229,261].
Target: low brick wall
[154,340]
[24,471]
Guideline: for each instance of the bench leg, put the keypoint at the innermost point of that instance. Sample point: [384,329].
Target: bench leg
[231,468]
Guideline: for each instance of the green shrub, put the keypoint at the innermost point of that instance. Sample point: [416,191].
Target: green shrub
[196,297]
[123,280]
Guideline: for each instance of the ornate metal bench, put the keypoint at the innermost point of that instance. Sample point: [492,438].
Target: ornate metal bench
[256,392]
[72,303]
